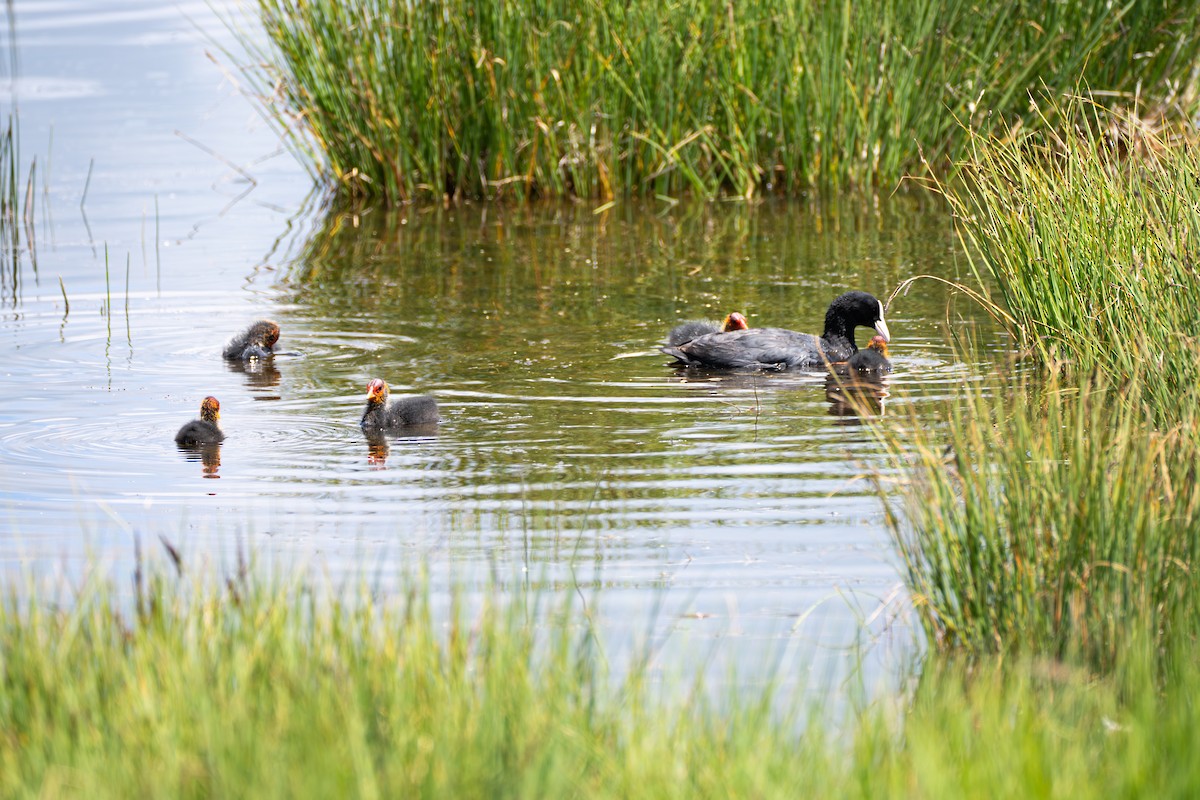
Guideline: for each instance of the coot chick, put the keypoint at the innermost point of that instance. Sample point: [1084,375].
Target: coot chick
[872,360]
[204,430]
[256,341]
[779,348]
[686,331]
[406,412]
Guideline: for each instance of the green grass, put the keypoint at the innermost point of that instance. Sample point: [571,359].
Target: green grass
[1055,520]
[1091,236]
[403,101]
[285,693]
[1064,519]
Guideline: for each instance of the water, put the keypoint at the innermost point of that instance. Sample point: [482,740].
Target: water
[724,517]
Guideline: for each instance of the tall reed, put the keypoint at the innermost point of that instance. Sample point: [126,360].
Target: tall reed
[1053,520]
[400,101]
[1066,519]
[16,201]
[1091,234]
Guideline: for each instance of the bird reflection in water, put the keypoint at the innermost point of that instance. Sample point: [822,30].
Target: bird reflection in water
[261,373]
[379,447]
[209,456]
[377,450]
[854,397]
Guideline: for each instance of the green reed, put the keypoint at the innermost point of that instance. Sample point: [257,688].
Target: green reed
[1091,235]
[401,101]
[16,196]
[1059,520]
[275,692]
[285,692]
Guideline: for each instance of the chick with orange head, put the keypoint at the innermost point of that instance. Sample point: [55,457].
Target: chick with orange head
[204,430]
[686,331]
[403,413]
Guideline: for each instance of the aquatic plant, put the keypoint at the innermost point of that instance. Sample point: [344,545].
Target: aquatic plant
[403,101]
[1091,237]
[17,198]
[1052,520]
[287,692]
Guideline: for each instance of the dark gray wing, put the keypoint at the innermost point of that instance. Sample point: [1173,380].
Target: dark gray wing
[759,348]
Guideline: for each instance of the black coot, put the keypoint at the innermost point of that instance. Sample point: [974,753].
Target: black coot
[204,430]
[404,413]
[779,348]
[257,341]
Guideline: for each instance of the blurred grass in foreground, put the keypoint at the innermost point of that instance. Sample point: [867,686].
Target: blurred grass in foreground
[275,692]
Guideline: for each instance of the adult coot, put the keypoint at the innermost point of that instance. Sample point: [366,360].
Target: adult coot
[686,331]
[873,360]
[778,348]
[256,341]
[204,430]
[406,412]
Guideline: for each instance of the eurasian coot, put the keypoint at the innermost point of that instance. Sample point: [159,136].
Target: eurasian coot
[778,348]
[872,360]
[686,331]
[406,412]
[204,430]
[256,341]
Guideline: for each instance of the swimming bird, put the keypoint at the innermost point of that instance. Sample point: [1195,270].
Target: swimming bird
[692,329]
[779,348]
[406,412]
[256,341]
[204,430]
[872,360]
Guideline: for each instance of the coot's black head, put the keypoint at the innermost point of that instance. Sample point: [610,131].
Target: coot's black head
[852,310]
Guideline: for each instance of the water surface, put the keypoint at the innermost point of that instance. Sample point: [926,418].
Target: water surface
[725,514]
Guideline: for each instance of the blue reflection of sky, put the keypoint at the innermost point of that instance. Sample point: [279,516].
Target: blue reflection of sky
[131,90]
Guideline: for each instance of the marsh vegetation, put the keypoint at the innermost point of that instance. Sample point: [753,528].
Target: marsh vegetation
[406,101]
[1046,518]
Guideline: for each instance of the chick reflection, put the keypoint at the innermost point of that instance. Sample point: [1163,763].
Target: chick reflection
[853,398]
[377,449]
[378,446]
[260,373]
[209,455]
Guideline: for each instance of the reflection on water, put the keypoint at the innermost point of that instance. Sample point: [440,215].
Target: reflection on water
[260,373]
[209,455]
[570,452]
[854,398]
[377,449]
[379,445]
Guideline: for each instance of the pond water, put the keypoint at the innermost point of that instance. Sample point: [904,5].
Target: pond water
[725,517]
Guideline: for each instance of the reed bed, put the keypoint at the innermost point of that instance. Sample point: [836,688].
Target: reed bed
[400,101]
[1055,520]
[1091,236]
[284,692]
[1065,518]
